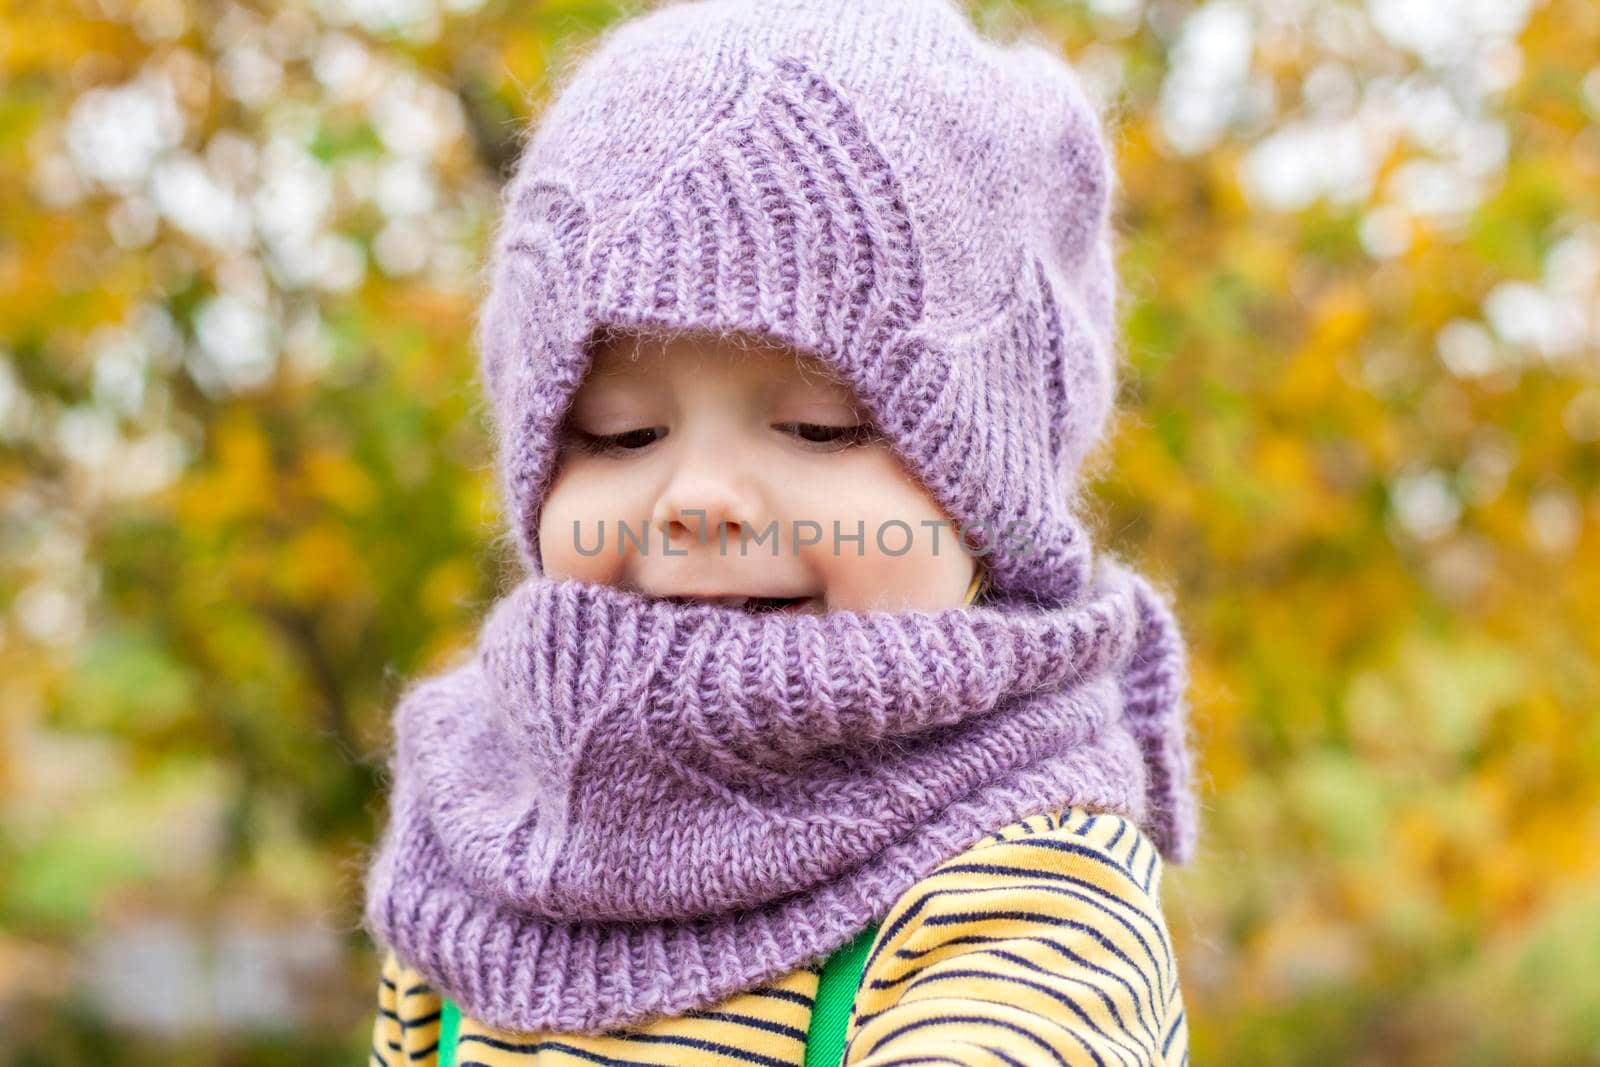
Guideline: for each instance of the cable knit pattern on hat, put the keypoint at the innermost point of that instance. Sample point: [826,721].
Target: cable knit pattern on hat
[622,807]
[873,183]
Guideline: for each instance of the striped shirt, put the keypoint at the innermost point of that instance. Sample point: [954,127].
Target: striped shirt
[1043,943]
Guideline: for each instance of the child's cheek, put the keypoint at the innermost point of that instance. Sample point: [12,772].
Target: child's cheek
[570,529]
[909,556]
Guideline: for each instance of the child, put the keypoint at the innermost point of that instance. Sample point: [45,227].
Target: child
[816,732]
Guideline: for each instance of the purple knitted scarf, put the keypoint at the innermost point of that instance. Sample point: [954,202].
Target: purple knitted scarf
[623,807]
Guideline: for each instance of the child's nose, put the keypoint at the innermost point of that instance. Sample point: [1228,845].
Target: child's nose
[704,493]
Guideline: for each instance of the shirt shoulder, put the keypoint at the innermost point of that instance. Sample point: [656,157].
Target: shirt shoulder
[1105,837]
[406,1028]
[1043,941]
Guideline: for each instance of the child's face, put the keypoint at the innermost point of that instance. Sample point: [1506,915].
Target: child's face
[752,435]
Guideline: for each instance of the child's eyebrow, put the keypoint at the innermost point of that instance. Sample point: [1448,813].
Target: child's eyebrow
[788,391]
[613,369]
[813,369]
[614,374]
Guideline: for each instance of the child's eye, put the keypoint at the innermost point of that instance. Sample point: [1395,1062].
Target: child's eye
[838,437]
[627,441]
[824,437]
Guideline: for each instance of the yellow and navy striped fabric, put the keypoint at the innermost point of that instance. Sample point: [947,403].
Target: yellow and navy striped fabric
[1043,943]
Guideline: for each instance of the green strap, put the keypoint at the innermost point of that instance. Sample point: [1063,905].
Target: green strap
[830,1015]
[449,1027]
[836,996]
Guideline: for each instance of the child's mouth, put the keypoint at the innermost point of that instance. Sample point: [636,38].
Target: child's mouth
[754,605]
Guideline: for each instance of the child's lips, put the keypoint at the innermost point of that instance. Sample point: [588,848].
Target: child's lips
[758,604]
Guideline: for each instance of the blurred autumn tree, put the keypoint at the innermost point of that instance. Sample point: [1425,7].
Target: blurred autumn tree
[245,494]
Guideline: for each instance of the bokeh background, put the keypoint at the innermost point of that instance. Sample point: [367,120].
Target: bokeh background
[246,492]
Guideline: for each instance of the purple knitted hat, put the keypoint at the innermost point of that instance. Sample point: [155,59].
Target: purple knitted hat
[874,183]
